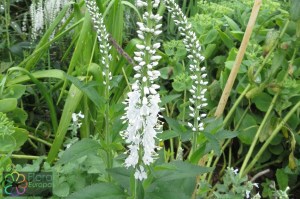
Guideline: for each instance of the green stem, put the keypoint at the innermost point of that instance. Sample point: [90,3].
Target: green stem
[259,131]
[40,140]
[226,144]
[237,102]
[28,157]
[7,23]
[274,133]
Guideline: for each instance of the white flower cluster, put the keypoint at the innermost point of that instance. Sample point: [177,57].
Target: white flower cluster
[43,13]
[37,18]
[102,36]
[142,109]
[198,73]
[76,117]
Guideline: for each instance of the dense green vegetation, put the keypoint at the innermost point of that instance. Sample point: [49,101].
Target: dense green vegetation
[64,81]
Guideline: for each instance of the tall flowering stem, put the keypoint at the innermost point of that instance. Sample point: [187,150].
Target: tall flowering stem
[198,73]
[106,57]
[142,111]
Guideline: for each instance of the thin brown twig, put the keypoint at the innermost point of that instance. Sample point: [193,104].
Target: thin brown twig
[120,50]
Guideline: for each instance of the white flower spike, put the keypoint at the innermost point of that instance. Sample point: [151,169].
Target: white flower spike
[142,109]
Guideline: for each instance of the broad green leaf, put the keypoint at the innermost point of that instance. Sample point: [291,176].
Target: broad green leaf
[8,104]
[282,179]
[199,153]
[21,136]
[276,150]
[213,143]
[99,191]
[174,125]
[5,65]
[14,91]
[168,98]
[229,65]
[178,170]
[247,129]
[121,175]
[247,135]
[61,189]
[226,39]
[80,149]
[18,115]
[225,134]
[180,189]
[232,24]
[294,10]
[90,91]
[262,101]
[266,156]
[237,35]
[277,139]
[209,50]
[211,36]
[7,143]
[165,135]
[182,82]
[165,72]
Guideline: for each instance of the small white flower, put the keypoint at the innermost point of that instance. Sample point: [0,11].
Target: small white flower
[80,115]
[248,194]
[140,174]
[74,117]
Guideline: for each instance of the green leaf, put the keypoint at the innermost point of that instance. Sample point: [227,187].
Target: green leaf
[61,189]
[21,136]
[209,50]
[237,35]
[199,153]
[226,39]
[175,125]
[18,115]
[121,175]
[14,91]
[72,101]
[5,65]
[168,98]
[212,35]
[99,191]
[229,65]
[7,143]
[90,91]
[276,150]
[178,170]
[165,72]
[262,101]
[80,149]
[247,135]
[8,104]
[165,135]
[232,24]
[213,143]
[225,134]
[282,179]
[294,10]
[182,82]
